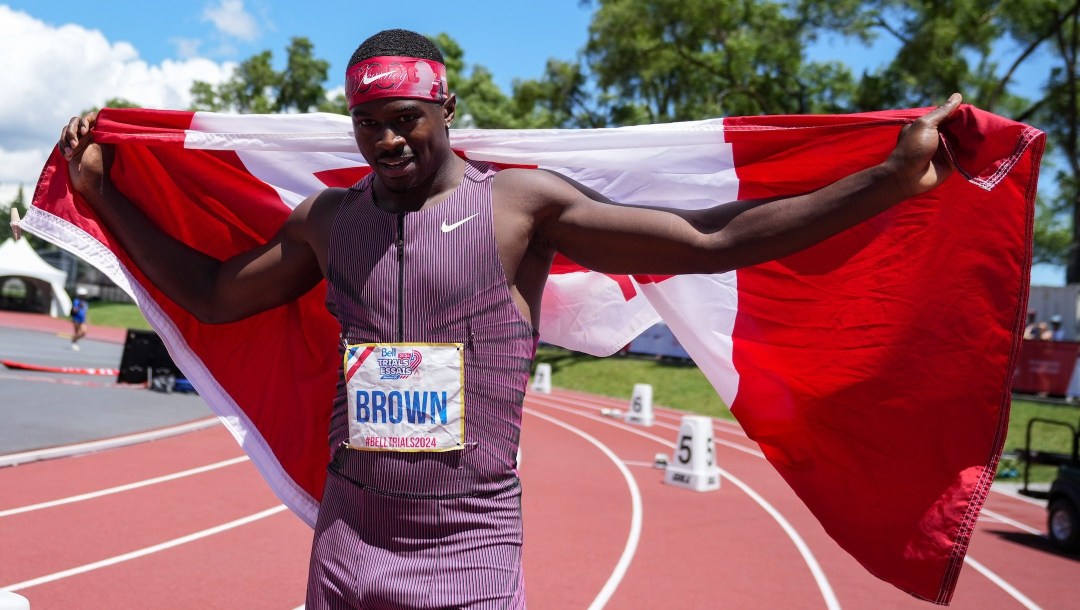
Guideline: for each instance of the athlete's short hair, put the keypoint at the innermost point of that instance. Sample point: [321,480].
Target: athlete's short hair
[397,43]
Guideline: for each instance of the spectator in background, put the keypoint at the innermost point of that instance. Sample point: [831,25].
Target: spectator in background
[1029,328]
[1042,332]
[78,317]
[1057,333]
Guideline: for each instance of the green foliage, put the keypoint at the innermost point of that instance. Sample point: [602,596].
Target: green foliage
[652,61]
[668,60]
[256,87]
[1046,438]
[1053,236]
[958,45]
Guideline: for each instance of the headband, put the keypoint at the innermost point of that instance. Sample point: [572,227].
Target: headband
[382,77]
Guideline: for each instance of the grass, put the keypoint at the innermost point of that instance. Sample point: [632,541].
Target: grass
[117,315]
[676,385]
[684,387]
[1045,437]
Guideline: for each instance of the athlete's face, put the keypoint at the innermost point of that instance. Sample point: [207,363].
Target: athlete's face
[404,140]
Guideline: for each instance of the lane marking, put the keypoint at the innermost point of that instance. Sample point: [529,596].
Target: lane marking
[26,584]
[1009,521]
[726,426]
[1005,491]
[634,534]
[632,463]
[822,581]
[994,578]
[14,459]
[121,488]
[74,382]
[997,580]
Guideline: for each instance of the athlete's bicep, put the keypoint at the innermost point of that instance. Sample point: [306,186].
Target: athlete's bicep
[615,238]
[275,273]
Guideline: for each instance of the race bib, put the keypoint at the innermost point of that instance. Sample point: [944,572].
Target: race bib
[405,396]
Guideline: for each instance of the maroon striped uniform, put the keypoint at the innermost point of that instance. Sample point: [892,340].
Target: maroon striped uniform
[426,529]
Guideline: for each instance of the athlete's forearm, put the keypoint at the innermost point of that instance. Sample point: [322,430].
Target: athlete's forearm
[751,232]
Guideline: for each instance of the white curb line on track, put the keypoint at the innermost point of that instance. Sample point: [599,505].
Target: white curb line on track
[14,459]
[994,578]
[633,536]
[26,584]
[119,488]
[986,572]
[812,564]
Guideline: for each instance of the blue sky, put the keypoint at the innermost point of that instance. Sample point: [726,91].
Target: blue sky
[62,56]
[513,39]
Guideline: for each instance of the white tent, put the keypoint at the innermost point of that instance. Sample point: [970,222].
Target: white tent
[44,283]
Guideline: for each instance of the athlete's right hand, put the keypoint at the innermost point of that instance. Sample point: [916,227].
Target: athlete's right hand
[86,159]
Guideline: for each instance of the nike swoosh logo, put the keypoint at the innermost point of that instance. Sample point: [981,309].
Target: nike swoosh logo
[447,228]
[368,79]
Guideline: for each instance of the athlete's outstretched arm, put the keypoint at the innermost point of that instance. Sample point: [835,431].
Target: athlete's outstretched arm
[213,291]
[621,239]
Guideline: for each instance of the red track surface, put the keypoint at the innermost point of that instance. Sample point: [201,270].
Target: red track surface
[695,550]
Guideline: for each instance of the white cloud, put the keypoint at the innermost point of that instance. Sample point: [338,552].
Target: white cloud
[52,73]
[230,18]
[186,47]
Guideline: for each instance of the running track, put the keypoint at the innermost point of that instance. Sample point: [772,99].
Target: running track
[189,523]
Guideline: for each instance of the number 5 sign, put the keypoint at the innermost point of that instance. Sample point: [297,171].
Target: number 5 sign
[694,465]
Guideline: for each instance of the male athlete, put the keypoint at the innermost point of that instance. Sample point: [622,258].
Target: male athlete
[435,268]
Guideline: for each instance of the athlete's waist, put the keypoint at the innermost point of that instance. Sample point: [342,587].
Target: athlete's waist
[426,475]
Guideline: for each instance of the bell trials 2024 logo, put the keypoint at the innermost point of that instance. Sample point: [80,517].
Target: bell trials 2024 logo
[395,364]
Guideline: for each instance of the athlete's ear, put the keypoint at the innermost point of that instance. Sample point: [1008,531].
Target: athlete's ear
[449,109]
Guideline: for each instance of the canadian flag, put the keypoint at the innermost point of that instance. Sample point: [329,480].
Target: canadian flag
[873,369]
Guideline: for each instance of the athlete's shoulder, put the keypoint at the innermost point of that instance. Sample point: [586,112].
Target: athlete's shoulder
[321,202]
[533,185]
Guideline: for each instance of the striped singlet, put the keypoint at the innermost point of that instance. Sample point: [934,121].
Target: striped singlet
[426,529]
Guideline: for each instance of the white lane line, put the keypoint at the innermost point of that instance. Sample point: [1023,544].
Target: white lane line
[997,580]
[121,488]
[670,426]
[726,426]
[634,534]
[1009,521]
[1005,491]
[804,550]
[827,593]
[26,584]
[13,459]
[639,464]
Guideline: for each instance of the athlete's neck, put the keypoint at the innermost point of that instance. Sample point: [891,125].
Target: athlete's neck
[426,194]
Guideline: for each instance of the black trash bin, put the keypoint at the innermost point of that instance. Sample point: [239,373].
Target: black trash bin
[145,360]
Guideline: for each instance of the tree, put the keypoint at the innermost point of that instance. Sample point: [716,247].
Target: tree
[978,47]
[481,104]
[255,87]
[668,60]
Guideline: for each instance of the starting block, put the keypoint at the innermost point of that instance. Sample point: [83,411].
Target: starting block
[694,464]
[542,379]
[640,405]
[13,601]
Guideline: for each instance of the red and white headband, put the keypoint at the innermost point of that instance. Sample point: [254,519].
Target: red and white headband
[382,77]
